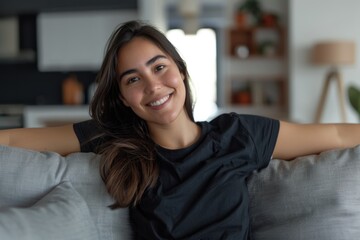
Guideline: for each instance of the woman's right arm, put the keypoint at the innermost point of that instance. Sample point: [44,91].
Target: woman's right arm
[62,139]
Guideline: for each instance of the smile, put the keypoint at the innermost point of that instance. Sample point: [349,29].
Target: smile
[159,102]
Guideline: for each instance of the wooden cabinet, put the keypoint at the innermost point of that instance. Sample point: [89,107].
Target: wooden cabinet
[253,86]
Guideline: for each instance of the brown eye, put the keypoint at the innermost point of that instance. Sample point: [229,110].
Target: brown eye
[132,80]
[159,68]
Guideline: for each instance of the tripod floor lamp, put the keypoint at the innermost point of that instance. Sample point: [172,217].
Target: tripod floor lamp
[333,54]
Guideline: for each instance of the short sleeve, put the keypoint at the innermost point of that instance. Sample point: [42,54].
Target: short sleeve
[264,132]
[88,134]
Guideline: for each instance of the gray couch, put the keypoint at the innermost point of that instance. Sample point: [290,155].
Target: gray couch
[46,196]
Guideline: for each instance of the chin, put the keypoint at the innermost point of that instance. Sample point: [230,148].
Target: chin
[168,118]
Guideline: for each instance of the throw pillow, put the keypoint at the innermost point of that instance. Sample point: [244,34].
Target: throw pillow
[60,214]
[311,197]
[26,175]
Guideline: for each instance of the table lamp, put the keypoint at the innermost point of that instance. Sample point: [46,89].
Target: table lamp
[333,54]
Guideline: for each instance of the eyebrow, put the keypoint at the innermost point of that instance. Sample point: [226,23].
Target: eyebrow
[148,63]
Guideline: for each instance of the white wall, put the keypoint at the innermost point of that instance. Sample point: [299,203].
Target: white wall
[76,40]
[310,21]
[154,12]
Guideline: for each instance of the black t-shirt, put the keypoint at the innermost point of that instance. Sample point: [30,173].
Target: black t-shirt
[201,191]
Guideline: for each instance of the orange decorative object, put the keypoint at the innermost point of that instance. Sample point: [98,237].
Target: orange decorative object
[242,98]
[72,91]
[269,20]
[241,19]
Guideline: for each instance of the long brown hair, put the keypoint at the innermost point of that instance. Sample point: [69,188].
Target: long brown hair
[128,164]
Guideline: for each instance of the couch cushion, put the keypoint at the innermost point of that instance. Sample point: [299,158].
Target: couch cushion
[311,197]
[60,214]
[26,176]
[83,172]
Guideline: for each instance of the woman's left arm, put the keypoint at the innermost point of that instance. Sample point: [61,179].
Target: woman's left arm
[296,140]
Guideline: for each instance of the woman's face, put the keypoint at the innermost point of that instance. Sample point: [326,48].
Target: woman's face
[150,82]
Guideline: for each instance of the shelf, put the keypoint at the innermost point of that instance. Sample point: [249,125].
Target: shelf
[22,57]
[256,56]
[275,112]
[257,91]
[268,42]
[254,78]
[257,82]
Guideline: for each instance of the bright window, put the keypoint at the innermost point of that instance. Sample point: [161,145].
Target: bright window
[199,53]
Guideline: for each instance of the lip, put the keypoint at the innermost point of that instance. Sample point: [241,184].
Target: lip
[160,102]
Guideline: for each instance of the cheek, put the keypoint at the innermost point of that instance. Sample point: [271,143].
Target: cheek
[174,79]
[129,97]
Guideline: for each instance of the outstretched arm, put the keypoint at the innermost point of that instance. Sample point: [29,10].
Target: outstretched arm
[56,139]
[296,140]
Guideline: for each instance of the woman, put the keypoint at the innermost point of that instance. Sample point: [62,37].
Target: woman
[180,179]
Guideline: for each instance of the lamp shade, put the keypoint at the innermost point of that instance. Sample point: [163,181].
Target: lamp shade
[190,11]
[334,53]
[189,8]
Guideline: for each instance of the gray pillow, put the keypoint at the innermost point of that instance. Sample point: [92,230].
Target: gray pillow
[83,172]
[311,197]
[25,176]
[60,214]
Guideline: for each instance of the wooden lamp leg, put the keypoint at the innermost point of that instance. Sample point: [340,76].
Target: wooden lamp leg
[340,90]
[341,95]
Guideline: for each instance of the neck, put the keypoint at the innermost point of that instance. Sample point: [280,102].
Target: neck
[179,134]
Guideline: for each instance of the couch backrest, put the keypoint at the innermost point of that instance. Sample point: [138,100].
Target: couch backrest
[312,197]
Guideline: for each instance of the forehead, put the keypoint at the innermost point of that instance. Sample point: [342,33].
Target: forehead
[137,52]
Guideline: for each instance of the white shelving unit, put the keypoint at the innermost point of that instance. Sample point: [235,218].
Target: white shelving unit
[256,81]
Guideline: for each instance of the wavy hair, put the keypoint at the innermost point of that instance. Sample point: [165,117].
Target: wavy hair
[128,163]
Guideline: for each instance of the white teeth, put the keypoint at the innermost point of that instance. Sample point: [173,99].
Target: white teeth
[160,101]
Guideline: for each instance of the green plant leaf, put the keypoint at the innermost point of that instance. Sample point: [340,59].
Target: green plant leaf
[354,98]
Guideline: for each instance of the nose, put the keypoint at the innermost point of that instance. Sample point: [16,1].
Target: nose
[152,84]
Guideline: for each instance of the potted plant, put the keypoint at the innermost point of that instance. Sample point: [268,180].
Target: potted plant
[249,9]
[354,99]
